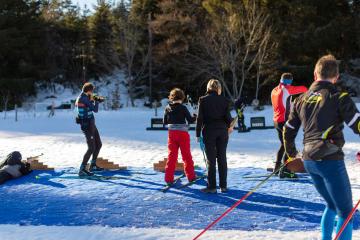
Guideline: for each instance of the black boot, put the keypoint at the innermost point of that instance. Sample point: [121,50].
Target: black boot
[224,190]
[277,169]
[95,168]
[284,173]
[208,190]
[85,173]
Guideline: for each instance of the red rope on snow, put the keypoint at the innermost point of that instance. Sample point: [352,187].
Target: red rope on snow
[223,215]
[347,221]
[241,200]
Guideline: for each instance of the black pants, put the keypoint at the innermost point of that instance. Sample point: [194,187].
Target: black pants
[216,141]
[93,141]
[280,157]
[4,176]
[241,124]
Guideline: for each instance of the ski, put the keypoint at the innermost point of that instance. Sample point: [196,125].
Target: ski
[93,177]
[279,179]
[269,169]
[257,176]
[192,182]
[176,180]
[100,177]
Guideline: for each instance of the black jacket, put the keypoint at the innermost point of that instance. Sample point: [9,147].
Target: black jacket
[321,111]
[176,113]
[213,113]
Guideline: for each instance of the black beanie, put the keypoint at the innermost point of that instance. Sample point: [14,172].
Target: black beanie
[14,158]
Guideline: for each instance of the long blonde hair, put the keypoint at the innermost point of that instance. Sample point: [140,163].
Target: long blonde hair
[213,85]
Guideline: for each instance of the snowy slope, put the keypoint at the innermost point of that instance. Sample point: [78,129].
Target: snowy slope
[132,207]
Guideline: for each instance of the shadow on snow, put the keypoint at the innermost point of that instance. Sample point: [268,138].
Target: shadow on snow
[133,198]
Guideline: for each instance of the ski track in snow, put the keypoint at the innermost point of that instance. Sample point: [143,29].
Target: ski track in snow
[134,208]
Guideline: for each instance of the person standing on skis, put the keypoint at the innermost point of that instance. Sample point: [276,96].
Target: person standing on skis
[322,112]
[213,122]
[279,99]
[178,118]
[86,104]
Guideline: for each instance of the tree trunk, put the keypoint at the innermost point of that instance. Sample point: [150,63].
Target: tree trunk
[6,102]
[258,81]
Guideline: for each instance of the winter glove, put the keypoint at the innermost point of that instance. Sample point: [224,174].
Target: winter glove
[25,168]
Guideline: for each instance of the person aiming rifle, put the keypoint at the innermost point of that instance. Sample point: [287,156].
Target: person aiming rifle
[86,104]
[13,167]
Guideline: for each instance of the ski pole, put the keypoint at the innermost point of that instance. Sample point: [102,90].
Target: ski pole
[242,199]
[202,147]
[351,213]
[347,221]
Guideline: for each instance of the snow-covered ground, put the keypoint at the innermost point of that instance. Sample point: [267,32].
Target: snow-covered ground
[280,210]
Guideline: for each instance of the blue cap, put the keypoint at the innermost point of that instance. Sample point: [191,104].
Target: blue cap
[286,81]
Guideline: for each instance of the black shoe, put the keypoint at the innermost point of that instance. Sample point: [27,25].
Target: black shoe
[224,190]
[85,173]
[95,168]
[277,169]
[208,190]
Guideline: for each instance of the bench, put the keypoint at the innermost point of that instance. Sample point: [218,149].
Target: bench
[258,123]
[255,123]
[157,124]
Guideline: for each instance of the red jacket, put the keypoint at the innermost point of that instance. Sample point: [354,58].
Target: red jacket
[279,96]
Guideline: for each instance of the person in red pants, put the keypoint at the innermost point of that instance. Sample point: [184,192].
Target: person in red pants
[177,117]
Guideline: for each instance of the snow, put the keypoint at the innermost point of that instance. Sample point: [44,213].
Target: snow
[96,232]
[57,205]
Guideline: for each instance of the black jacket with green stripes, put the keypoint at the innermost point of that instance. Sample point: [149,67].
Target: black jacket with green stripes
[321,111]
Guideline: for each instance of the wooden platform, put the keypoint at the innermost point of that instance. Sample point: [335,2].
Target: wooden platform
[297,166]
[37,165]
[160,166]
[106,164]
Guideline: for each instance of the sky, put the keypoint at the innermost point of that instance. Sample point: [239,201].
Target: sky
[89,3]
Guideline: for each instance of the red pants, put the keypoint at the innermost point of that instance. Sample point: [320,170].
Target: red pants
[176,140]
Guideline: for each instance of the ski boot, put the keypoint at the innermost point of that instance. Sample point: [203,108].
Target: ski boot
[208,190]
[169,184]
[95,168]
[224,190]
[277,170]
[85,173]
[287,174]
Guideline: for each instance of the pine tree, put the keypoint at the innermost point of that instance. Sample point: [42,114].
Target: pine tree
[104,58]
[116,105]
[21,50]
